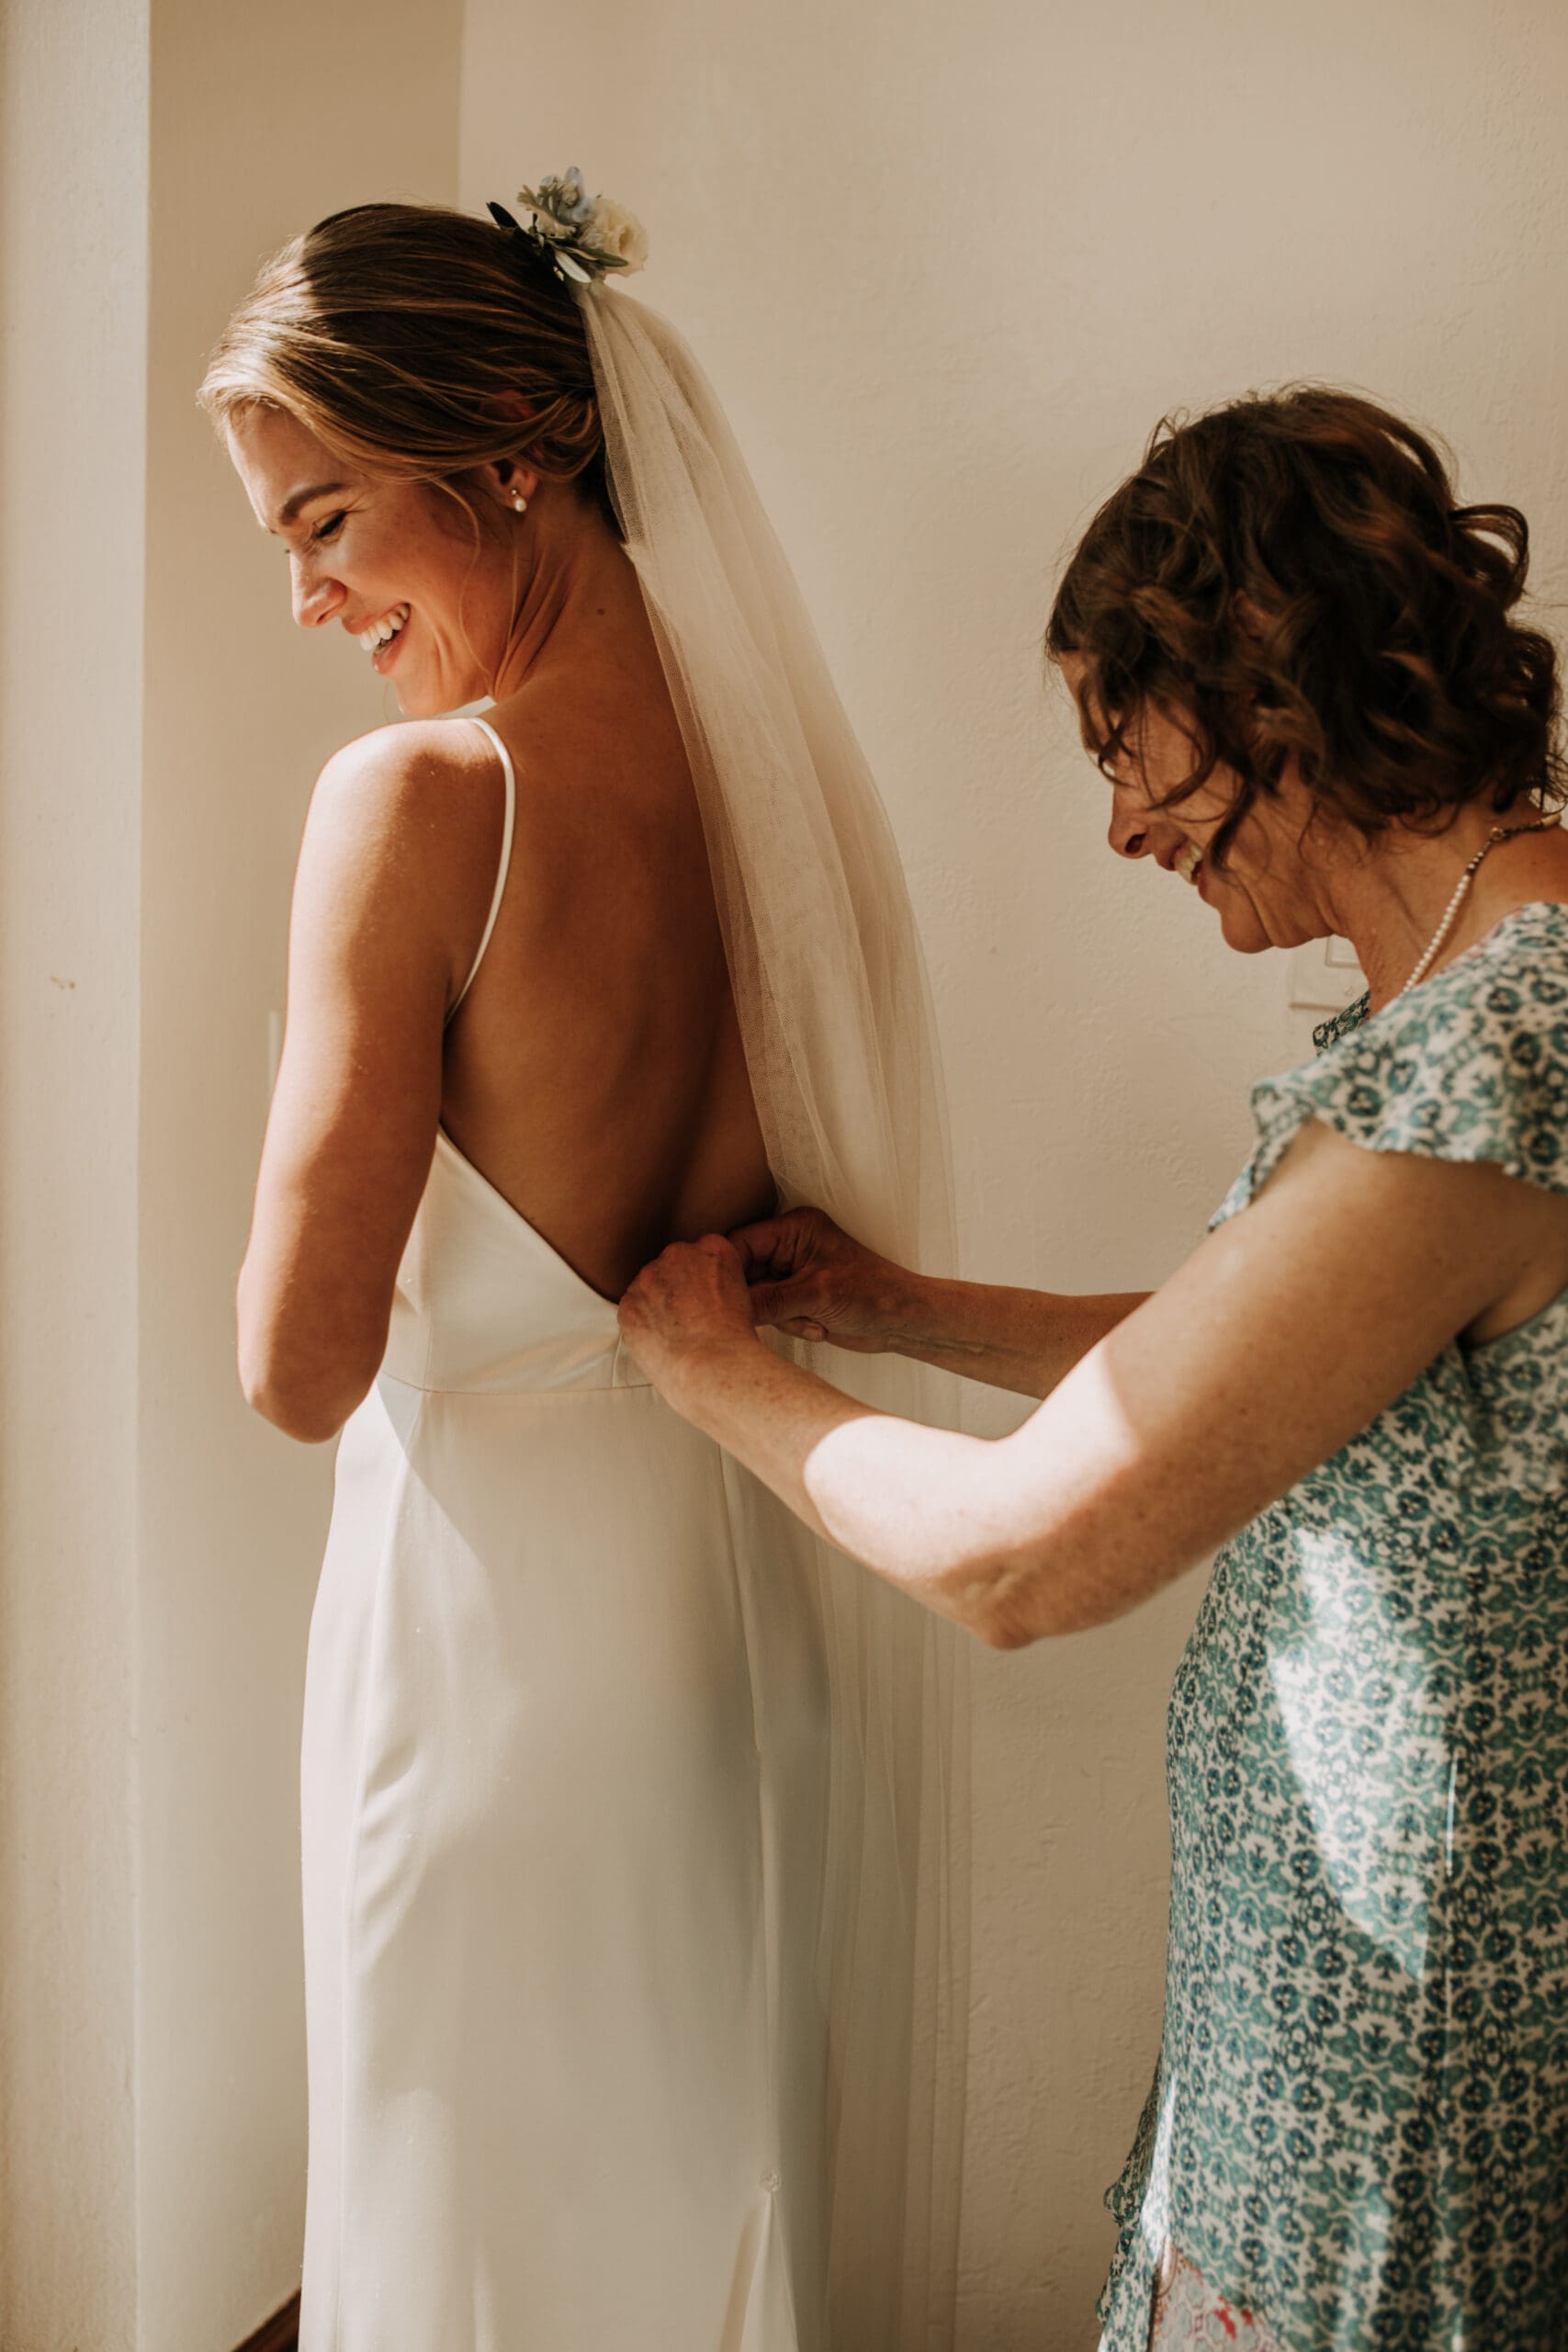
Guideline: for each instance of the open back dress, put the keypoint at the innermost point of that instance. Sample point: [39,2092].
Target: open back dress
[564,1783]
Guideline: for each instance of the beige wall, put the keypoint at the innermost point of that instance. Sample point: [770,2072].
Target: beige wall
[73,322]
[163,723]
[262,121]
[948,266]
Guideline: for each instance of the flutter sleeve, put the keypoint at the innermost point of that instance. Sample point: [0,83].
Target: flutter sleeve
[1471,1066]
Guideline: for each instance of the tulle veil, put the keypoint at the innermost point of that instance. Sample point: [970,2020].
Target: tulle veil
[840,1038]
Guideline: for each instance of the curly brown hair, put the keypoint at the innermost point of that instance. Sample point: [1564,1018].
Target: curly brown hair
[1291,575]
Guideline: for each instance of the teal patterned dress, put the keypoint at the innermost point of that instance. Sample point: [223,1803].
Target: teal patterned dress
[1359,2128]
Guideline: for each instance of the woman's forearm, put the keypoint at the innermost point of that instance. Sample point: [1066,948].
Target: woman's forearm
[1022,1340]
[808,1276]
[924,1509]
[932,1511]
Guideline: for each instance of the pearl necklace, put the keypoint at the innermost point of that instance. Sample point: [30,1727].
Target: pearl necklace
[1450,913]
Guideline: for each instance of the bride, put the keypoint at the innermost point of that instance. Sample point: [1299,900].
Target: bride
[627,2023]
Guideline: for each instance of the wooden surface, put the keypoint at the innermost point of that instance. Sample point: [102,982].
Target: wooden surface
[278,2333]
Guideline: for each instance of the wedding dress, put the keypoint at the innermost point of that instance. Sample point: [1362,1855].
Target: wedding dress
[633,1900]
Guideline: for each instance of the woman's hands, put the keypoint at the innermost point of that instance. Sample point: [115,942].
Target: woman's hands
[810,1279]
[798,1271]
[688,1307]
[804,1275]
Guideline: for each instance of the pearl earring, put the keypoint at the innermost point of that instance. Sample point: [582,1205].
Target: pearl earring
[519,501]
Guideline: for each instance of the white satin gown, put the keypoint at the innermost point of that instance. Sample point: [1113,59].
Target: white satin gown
[564,1784]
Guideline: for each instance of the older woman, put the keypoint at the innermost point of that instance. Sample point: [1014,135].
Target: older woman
[1295,658]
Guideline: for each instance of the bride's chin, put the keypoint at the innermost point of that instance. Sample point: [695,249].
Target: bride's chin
[416,699]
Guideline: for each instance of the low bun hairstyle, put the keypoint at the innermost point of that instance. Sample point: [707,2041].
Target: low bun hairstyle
[1294,575]
[392,331]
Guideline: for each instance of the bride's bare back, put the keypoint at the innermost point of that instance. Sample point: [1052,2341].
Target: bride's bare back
[594,1072]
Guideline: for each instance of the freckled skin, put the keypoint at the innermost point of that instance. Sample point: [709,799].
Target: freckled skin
[375,543]
[595,1074]
[1170,1420]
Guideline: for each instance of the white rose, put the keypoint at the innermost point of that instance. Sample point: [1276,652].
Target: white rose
[611,228]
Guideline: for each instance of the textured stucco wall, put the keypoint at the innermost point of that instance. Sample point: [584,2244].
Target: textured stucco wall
[160,723]
[262,121]
[73,322]
[947,268]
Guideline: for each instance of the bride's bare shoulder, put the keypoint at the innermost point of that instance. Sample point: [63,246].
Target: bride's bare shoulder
[400,766]
[428,782]
[405,822]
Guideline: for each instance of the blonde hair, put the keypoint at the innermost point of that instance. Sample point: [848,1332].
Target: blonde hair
[391,330]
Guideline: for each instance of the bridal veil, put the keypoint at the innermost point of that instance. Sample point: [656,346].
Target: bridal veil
[835,1016]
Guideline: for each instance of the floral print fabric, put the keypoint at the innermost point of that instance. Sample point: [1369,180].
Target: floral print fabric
[1188,2317]
[1359,2128]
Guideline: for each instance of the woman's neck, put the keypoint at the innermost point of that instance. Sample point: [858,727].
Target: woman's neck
[1390,900]
[580,595]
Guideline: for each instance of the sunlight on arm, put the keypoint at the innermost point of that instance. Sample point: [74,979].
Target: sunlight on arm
[982,1530]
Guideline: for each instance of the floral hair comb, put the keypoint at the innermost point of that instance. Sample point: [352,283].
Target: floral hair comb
[581,237]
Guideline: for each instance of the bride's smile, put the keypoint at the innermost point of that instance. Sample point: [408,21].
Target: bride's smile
[456,586]
[382,634]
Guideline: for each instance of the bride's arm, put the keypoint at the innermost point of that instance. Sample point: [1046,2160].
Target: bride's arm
[1288,1331]
[392,868]
[810,1279]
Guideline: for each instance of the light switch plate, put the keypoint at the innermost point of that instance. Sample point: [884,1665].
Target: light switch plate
[1325,976]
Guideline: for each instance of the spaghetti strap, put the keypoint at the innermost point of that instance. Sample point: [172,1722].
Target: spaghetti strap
[499,891]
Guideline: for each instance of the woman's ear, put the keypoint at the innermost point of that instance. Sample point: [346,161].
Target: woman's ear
[513,478]
[510,479]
